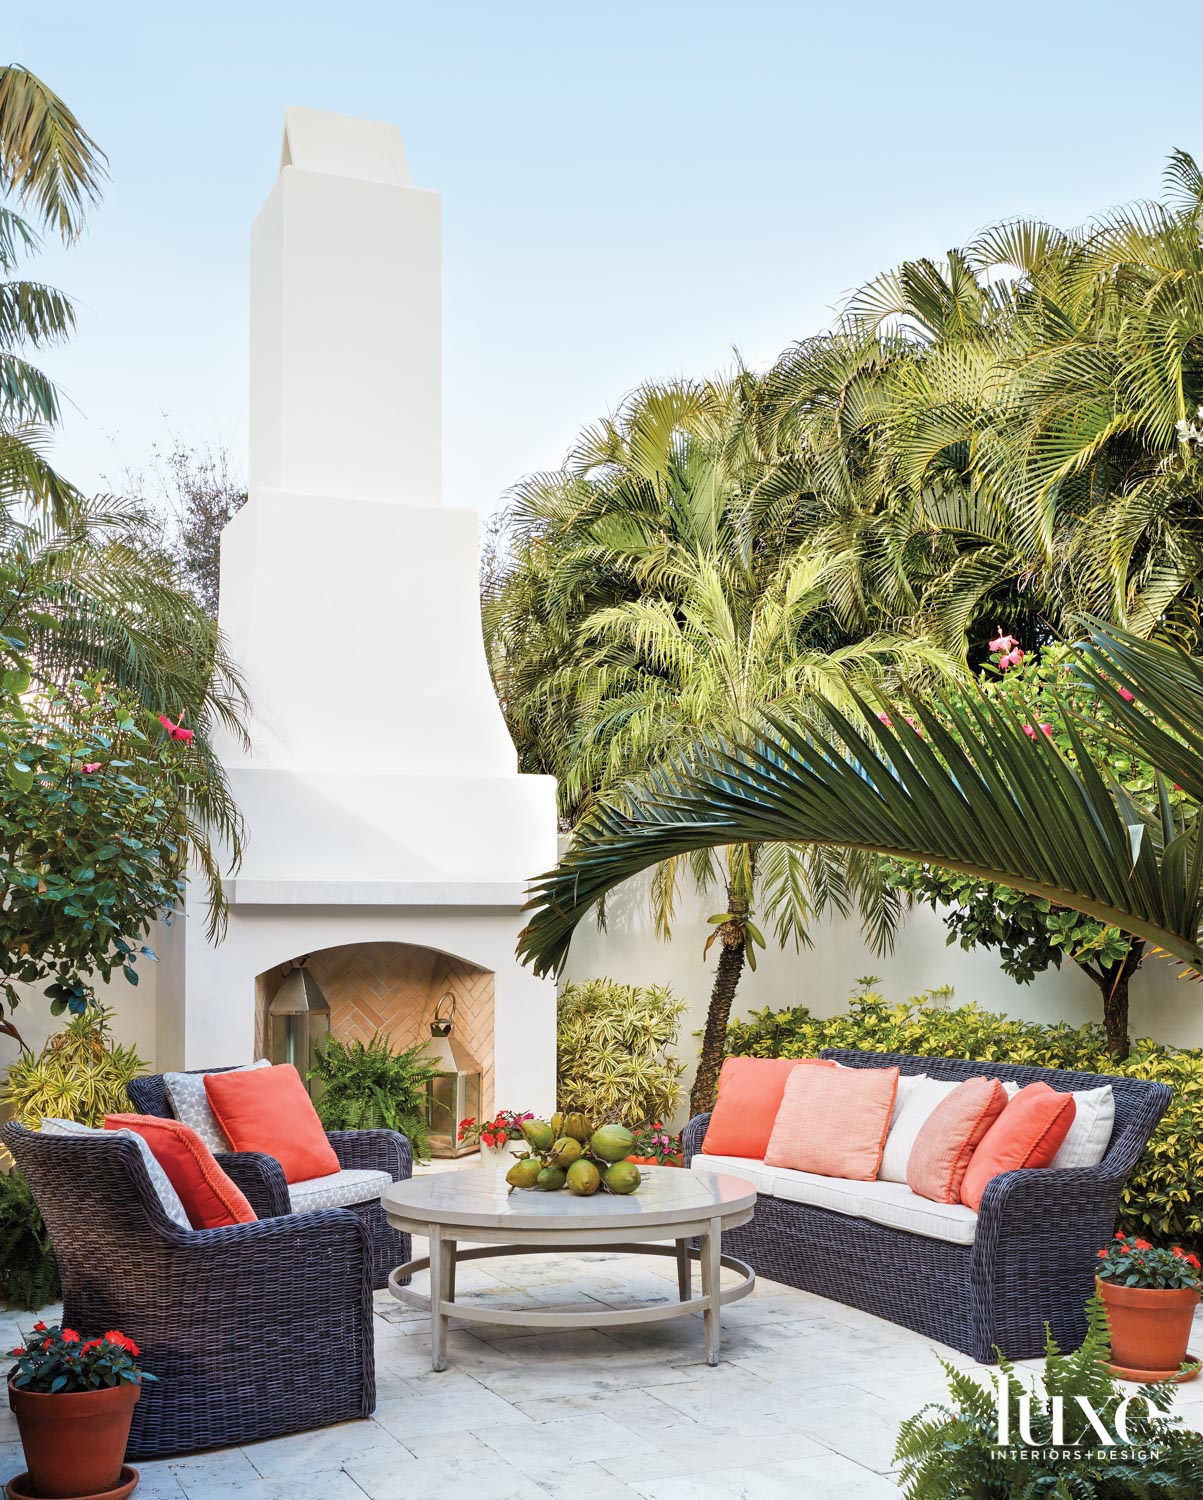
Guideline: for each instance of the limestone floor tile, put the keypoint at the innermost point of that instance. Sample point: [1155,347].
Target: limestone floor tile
[158,1482]
[851,1422]
[555,1447]
[707,1452]
[325,1450]
[489,1478]
[197,1485]
[585,1482]
[451,1409]
[824,1477]
[640,1410]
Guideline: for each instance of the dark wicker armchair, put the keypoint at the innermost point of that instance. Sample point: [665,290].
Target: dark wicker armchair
[1032,1259]
[253,1331]
[262,1180]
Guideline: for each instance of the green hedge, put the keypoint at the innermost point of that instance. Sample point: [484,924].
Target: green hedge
[1164,1196]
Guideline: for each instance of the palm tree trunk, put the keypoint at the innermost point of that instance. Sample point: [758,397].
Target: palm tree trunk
[722,996]
[1113,981]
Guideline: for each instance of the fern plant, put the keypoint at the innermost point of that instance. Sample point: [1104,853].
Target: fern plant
[613,1052]
[80,1074]
[954,1450]
[368,1086]
[28,1270]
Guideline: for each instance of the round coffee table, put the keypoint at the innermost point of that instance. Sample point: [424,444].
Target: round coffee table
[477,1206]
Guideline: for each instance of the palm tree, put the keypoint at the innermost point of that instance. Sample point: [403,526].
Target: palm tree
[669,614]
[973,793]
[51,166]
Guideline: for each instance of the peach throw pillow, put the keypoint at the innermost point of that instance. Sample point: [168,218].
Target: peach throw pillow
[1028,1133]
[749,1096]
[950,1135]
[834,1121]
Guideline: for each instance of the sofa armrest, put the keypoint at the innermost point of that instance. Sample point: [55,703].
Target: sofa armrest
[260,1177]
[694,1135]
[378,1150]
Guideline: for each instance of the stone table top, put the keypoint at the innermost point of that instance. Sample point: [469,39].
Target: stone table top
[480,1199]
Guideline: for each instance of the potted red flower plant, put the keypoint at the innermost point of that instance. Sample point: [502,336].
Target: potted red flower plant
[493,1136]
[1150,1295]
[74,1399]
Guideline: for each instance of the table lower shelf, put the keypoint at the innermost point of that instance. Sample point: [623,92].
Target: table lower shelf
[602,1318]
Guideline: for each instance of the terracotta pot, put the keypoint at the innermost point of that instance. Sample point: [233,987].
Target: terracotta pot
[1150,1327]
[74,1442]
[650,1161]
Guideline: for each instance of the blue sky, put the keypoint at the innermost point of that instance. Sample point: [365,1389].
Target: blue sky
[629,190]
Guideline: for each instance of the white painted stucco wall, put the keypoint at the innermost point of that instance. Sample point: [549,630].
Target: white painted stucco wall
[1162,1006]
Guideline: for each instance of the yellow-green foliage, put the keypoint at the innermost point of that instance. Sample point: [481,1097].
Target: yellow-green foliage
[80,1074]
[1163,1197]
[612,1051]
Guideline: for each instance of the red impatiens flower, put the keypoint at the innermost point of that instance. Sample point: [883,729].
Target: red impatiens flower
[1102,1254]
[70,1336]
[18,1351]
[1126,695]
[115,1336]
[1142,1244]
[39,1327]
[90,1345]
[1193,1260]
[1120,1235]
[176,731]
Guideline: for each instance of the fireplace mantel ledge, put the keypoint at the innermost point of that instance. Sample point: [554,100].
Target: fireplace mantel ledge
[463,893]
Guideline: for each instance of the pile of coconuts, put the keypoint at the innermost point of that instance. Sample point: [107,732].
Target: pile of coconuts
[566,1152]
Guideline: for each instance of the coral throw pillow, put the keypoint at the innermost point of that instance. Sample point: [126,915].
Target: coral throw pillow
[210,1198]
[1028,1133]
[950,1135]
[834,1122]
[267,1109]
[749,1096]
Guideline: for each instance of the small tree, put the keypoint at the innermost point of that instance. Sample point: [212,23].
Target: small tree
[93,830]
[612,1051]
[1031,933]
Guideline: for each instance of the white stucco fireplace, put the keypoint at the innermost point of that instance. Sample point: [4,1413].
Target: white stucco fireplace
[384,808]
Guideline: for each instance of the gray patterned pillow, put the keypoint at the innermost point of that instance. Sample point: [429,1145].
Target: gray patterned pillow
[191,1104]
[159,1179]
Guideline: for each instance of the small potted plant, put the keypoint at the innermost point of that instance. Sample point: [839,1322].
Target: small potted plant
[494,1136]
[656,1147]
[1149,1294]
[74,1400]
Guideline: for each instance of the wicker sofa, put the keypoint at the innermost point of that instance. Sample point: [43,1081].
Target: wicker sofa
[253,1331]
[260,1177]
[1029,1256]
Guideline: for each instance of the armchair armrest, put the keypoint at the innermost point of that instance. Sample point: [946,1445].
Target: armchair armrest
[693,1136]
[261,1179]
[378,1150]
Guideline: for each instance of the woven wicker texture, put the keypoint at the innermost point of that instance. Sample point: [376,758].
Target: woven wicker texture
[260,1177]
[254,1331]
[1032,1259]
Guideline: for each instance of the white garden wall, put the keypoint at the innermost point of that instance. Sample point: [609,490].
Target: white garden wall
[1163,1006]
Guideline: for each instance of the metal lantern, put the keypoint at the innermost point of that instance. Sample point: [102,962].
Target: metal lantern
[298,1022]
[453,1094]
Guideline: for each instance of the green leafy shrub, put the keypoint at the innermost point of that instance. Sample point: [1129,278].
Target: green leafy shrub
[1163,1198]
[80,1074]
[28,1269]
[953,1449]
[368,1086]
[612,1048]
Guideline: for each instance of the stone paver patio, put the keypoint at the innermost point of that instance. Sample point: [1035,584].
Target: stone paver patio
[807,1401]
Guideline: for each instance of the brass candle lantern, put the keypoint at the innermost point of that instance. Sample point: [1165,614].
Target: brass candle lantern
[298,1022]
[453,1094]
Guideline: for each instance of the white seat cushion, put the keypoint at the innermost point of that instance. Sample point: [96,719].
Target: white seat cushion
[746,1168]
[889,1203]
[191,1105]
[1090,1134]
[159,1179]
[339,1190]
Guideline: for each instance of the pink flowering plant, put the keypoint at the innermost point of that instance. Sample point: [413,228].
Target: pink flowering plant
[59,1360]
[505,1126]
[657,1142]
[1131,1261]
